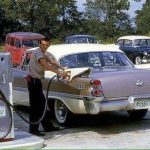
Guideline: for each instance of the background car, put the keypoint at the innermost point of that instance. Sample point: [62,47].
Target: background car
[17,42]
[137,48]
[102,79]
[80,39]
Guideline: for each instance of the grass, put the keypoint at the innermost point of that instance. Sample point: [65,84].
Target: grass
[1,48]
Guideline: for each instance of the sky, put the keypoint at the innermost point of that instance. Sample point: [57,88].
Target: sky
[134,6]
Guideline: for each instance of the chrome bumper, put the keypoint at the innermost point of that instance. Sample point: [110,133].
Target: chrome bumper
[115,105]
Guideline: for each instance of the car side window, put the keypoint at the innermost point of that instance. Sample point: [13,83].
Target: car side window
[148,42]
[128,43]
[94,60]
[82,60]
[70,61]
[119,42]
[110,59]
[142,42]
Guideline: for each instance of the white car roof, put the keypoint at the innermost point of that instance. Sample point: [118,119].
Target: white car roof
[66,49]
[133,37]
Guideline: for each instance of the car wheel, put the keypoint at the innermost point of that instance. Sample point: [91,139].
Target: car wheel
[62,113]
[137,114]
[138,60]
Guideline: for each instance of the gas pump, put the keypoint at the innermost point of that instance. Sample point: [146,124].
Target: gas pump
[6,113]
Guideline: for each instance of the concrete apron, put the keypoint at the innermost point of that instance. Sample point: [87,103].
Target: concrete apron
[23,140]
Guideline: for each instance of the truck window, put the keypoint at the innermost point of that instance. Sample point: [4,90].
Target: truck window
[12,41]
[18,43]
[8,40]
[30,43]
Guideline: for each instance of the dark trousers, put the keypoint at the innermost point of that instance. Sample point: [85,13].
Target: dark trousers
[37,103]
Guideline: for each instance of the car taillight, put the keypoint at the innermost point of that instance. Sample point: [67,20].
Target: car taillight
[96,82]
[97,88]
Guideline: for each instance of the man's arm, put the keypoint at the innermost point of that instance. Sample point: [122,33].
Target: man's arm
[62,73]
[54,63]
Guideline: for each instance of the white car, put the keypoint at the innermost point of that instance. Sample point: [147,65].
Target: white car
[102,79]
[137,48]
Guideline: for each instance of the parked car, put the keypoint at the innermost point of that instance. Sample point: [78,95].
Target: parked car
[137,48]
[102,79]
[80,39]
[17,42]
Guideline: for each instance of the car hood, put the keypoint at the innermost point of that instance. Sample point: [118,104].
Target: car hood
[124,82]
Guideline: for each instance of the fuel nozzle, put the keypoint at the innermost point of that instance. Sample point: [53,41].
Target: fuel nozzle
[66,77]
[68,74]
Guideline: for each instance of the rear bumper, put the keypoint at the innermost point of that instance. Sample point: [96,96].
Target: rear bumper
[146,59]
[115,105]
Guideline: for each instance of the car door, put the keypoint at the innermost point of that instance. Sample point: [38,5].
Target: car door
[129,49]
[17,51]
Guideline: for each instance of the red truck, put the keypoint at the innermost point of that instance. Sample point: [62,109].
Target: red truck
[17,42]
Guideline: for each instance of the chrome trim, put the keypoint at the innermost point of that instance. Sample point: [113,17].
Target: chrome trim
[121,104]
[117,98]
[64,95]
[73,96]
[94,105]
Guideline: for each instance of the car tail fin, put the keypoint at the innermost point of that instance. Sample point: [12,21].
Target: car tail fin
[76,72]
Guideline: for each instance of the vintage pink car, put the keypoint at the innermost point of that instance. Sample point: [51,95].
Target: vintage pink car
[102,79]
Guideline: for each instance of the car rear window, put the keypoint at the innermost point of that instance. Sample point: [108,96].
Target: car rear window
[96,60]
[80,39]
[128,42]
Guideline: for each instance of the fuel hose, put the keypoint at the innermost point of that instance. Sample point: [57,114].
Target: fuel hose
[5,110]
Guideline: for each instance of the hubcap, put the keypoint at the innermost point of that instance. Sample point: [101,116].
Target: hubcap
[60,111]
[138,60]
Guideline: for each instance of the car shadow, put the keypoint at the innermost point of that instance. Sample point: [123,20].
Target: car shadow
[105,123]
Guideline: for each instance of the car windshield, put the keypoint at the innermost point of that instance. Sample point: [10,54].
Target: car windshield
[81,39]
[96,60]
[30,43]
[142,42]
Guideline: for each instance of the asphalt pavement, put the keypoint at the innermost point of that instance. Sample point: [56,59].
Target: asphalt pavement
[110,130]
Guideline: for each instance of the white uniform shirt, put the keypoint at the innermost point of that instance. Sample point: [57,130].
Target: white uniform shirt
[36,70]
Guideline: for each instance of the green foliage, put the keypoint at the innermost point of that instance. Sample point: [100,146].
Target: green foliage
[143,19]
[53,17]
[105,19]
[72,21]
[110,17]
[1,48]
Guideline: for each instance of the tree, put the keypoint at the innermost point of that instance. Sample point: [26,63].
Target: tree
[34,15]
[53,17]
[143,19]
[111,15]
[7,24]
[71,20]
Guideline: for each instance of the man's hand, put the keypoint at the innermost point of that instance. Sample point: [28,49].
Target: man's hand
[65,75]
